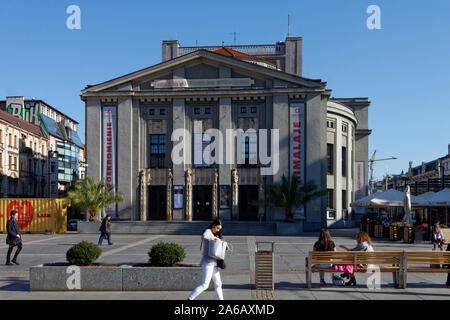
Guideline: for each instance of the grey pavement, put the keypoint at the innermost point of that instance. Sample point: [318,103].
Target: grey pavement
[238,278]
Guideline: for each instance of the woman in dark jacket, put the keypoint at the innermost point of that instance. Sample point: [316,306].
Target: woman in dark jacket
[105,229]
[14,238]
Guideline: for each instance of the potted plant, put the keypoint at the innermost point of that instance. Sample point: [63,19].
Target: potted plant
[92,197]
[290,195]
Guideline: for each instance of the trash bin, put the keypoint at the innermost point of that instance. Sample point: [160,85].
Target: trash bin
[264,266]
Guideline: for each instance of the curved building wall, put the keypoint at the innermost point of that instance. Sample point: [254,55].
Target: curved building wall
[341,128]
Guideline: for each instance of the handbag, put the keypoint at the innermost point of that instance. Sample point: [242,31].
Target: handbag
[221,264]
[217,249]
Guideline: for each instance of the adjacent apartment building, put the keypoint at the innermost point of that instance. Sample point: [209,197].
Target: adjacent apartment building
[63,151]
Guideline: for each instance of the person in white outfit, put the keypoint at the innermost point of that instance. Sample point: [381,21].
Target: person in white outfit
[209,265]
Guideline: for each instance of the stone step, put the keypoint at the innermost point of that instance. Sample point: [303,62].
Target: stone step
[180,227]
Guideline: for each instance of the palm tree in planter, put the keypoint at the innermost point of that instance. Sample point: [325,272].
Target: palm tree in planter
[92,197]
[290,195]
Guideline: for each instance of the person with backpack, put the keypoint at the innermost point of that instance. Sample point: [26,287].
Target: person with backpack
[324,243]
[210,268]
[14,238]
[105,229]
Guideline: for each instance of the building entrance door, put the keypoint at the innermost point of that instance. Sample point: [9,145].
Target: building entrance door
[247,194]
[157,203]
[202,203]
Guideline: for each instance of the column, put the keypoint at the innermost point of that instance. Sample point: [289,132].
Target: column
[169,213]
[235,196]
[143,194]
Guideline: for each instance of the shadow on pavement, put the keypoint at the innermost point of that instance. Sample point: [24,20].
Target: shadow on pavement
[18,285]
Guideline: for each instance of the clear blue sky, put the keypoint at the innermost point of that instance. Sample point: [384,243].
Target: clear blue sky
[403,68]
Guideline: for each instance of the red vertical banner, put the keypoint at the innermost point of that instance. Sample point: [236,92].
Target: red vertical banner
[297,126]
[110,151]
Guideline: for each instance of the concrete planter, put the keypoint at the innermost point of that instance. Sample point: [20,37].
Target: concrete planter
[162,279]
[62,277]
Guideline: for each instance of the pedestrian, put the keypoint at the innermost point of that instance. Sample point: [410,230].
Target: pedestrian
[210,269]
[438,237]
[364,243]
[14,238]
[105,229]
[324,243]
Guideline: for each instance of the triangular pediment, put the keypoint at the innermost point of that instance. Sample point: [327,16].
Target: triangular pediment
[203,64]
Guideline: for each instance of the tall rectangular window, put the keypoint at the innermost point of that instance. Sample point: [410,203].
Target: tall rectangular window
[15,141]
[344,161]
[344,199]
[15,163]
[157,150]
[10,140]
[330,158]
[250,149]
[330,199]
[344,205]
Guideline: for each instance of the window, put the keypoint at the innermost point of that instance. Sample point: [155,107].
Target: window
[157,150]
[1,160]
[344,128]
[330,200]
[207,110]
[344,199]
[15,141]
[196,110]
[10,140]
[152,112]
[253,110]
[243,110]
[162,112]
[344,161]
[249,149]
[330,158]
[1,136]
[344,205]
[15,163]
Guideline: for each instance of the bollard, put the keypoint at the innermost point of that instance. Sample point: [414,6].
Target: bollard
[264,267]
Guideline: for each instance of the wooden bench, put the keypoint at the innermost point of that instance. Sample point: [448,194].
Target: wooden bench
[399,263]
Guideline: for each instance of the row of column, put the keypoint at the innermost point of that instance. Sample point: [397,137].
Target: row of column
[189,183]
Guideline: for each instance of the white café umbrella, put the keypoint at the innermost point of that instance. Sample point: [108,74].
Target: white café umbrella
[441,199]
[407,219]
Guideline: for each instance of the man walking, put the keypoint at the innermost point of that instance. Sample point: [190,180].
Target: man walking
[14,238]
[105,229]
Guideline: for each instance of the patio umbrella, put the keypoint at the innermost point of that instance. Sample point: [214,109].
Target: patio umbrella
[441,199]
[407,219]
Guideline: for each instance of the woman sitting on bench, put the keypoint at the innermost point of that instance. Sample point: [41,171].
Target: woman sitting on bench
[364,244]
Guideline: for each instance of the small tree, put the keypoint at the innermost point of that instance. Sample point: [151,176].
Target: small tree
[290,195]
[92,197]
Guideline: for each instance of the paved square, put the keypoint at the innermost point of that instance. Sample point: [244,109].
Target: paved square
[238,278]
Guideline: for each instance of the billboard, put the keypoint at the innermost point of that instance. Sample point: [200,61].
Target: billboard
[110,151]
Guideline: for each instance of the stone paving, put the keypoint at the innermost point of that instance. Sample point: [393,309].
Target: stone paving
[238,278]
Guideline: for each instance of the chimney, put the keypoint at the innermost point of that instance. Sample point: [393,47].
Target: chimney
[170,49]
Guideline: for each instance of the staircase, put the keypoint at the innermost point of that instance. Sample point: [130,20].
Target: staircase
[181,227]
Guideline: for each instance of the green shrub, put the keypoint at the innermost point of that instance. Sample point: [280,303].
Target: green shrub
[166,254]
[83,254]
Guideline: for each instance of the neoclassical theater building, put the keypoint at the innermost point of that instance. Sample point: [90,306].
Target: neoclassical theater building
[134,122]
